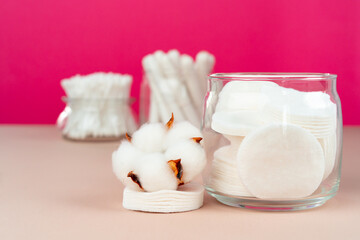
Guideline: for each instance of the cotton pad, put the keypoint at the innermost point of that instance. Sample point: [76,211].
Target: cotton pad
[238,123]
[150,137]
[192,155]
[300,104]
[280,161]
[235,141]
[313,111]
[320,128]
[329,147]
[242,95]
[155,174]
[188,197]
[224,173]
[180,131]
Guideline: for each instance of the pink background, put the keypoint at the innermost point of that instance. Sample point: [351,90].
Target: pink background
[44,41]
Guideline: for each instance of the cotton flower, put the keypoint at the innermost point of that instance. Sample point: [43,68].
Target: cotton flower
[180,131]
[125,160]
[192,155]
[155,174]
[150,137]
[159,157]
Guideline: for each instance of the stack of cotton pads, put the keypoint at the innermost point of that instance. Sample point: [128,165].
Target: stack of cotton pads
[238,113]
[224,175]
[329,147]
[313,111]
[155,161]
[177,84]
[97,106]
[288,142]
[186,198]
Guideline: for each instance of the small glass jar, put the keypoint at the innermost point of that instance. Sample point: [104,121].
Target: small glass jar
[273,140]
[96,119]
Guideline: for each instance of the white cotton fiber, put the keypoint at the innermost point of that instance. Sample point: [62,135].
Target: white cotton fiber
[150,137]
[155,174]
[124,160]
[181,131]
[192,155]
[281,161]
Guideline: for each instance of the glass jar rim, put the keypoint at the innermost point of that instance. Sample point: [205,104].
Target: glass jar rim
[273,76]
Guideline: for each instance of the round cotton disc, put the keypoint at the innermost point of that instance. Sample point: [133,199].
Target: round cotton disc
[238,123]
[281,161]
[186,198]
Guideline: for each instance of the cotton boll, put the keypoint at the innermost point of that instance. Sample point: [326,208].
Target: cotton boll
[150,137]
[124,160]
[181,131]
[192,157]
[155,174]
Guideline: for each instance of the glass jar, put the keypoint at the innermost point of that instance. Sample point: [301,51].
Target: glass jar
[157,103]
[96,119]
[273,140]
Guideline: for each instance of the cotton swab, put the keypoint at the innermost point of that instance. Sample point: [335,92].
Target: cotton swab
[176,85]
[204,65]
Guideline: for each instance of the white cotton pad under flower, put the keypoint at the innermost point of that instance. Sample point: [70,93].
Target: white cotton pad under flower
[155,174]
[180,131]
[239,123]
[329,147]
[281,161]
[124,160]
[192,155]
[187,198]
[150,137]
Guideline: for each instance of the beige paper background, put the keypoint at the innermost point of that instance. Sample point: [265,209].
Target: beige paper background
[55,189]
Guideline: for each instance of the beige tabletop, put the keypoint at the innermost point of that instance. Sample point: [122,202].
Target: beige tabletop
[51,188]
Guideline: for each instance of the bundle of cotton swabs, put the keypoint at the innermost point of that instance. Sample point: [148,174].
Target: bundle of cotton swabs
[178,84]
[99,105]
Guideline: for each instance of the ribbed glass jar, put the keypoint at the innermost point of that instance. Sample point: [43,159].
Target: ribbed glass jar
[273,140]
